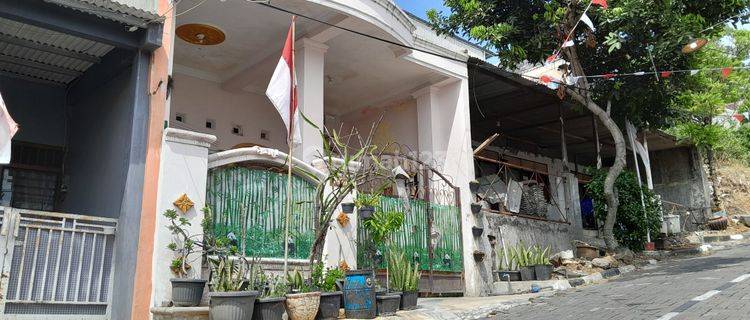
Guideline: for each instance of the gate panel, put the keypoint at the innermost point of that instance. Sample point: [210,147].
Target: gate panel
[58,265]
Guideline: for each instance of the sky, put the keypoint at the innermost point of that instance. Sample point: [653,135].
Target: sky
[419,7]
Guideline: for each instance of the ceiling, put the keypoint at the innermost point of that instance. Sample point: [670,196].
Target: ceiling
[41,55]
[359,71]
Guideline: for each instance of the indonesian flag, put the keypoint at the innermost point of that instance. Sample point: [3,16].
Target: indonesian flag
[282,90]
[8,129]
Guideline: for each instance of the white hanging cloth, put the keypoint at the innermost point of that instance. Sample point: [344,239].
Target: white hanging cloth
[8,129]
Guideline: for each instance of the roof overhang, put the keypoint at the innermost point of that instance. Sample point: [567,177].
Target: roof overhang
[137,13]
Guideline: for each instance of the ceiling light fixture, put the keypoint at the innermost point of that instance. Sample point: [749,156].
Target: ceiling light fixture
[200,34]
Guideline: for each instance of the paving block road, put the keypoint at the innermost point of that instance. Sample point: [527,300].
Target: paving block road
[712,287]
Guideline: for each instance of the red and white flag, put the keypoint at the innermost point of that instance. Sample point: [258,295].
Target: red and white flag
[282,90]
[8,129]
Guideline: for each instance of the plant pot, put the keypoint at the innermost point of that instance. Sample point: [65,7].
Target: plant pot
[409,300]
[718,223]
[527,273]
[478,256]
[477,231]
[366,212]
[543,271]
[187,292]
[347,207]
[302,306]
[583,251]
[388,304]
[476,208]
[474,186]
[503,275]
[269,308]
[330,303]
[238,305]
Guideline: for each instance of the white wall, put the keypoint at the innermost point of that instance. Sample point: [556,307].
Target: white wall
[201,99]
[399,124]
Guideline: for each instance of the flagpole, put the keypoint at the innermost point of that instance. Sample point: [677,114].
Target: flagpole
[290,142]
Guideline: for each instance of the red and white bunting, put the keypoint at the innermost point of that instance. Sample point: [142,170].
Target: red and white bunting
[586,20]
[601,3]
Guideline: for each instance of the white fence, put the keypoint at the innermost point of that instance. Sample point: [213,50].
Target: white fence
[55,265]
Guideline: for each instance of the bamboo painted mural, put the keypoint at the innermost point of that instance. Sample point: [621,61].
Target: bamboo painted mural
[253,200]
[412,237]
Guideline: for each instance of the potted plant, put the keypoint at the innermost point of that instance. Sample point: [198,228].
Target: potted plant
[330,296]
[405,278]
[186,291]
[347,207]
[476,207]
[542,267]
[303,302]
[232,281]
[271,304]
[524,262]
[507,268]
[477,231]
[366,204]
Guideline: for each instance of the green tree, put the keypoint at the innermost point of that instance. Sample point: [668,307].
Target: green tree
[628,35]
[707,94]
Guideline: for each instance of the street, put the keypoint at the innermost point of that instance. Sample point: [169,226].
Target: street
[713,287]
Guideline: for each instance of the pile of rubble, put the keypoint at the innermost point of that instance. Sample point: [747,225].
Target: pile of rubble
[567,266]
[733,187]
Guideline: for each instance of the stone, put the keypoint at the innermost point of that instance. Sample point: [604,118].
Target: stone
[624,255]
[745,220]
[605,262]
[652,261]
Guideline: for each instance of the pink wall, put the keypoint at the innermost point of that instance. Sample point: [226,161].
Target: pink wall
[201,99]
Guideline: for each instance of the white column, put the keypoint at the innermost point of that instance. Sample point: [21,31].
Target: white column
[427,122]
[184,169]
[310,59]
[341,240]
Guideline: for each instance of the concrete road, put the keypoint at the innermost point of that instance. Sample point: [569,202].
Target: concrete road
[713,287]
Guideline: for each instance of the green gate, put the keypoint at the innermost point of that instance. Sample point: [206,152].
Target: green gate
[252,199]
[431,233]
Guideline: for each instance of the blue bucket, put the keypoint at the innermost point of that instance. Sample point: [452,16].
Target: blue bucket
[359,294]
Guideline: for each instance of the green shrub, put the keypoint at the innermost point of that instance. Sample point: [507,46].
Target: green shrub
[631,224]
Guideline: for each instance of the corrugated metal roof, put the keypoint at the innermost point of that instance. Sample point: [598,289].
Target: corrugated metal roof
[130,12]
[37,53]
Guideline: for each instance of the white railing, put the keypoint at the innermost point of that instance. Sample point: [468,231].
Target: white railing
[55,265]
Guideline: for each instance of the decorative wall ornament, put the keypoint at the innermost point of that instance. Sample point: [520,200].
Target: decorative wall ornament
[183,203]
[343,219]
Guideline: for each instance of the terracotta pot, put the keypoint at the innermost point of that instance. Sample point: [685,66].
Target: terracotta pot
[302,306]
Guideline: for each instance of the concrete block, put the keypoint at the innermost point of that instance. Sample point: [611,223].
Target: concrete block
[628,268]
[736,237]
[606,274]
[516,287]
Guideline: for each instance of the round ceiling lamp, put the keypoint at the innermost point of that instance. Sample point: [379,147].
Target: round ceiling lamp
[694,45]
[200,34]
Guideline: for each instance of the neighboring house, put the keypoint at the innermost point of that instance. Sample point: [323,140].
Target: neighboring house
[75,76]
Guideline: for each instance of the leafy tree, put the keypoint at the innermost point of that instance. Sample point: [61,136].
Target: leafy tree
[629,33]
[707,94]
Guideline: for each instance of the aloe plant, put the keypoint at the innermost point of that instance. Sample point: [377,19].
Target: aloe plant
[510,265]
[404,275]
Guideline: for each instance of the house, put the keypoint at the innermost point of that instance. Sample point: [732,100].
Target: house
[75,76]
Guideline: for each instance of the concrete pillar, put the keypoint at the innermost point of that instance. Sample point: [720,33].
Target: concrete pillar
[428,114]
[341,240]
[184,170]
[573,205]
[310,59]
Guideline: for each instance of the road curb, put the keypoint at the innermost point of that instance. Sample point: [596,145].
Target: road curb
[599,276]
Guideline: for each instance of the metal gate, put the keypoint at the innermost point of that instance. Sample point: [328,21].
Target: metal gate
[55,265]
[430,235]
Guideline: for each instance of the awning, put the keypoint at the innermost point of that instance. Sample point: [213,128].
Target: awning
[130,12]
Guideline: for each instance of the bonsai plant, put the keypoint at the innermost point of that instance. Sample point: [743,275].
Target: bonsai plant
[405,278]
[330,296]
[232,281]
[540,260]
[366,204]
[303,302]
[186,291]
[506,265]
[270,305]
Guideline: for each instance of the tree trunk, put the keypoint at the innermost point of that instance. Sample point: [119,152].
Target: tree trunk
[712,176]
[614,170]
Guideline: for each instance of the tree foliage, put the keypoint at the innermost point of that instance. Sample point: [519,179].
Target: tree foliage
[631,227]
[628,33]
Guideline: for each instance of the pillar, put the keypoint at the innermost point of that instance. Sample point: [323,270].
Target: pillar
[310,60]
[427,122]
[184,170]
